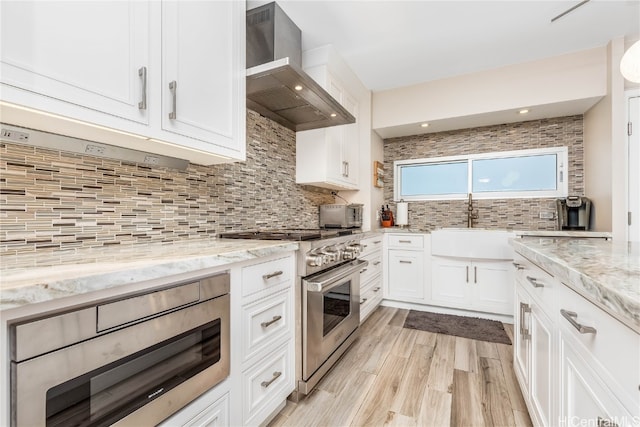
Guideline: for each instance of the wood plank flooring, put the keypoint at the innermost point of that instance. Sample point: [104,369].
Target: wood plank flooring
[393,376]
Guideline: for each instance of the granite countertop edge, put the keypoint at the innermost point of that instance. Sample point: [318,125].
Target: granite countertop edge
[28,285]
[614,301]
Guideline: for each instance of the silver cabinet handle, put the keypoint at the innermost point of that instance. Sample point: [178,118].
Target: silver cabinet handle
[571,317]
[404,241]
[602,422]
[142,72]
[535,282]
[524,332]
[404,262]
[377,241]
[276,375]
[376,289]
[272,275]
[467,267]
[173,87]
[363,270]
[376,263]
[475,274]
[271,322]
[347,164]
[518,266]
[363,246]
[344,169]
[363,301]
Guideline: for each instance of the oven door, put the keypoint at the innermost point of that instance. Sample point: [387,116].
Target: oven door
[331,312]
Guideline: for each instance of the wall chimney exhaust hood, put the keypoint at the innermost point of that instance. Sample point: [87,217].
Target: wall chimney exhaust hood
[277,88]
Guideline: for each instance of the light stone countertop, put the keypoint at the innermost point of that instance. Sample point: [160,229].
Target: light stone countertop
[46,276]
[606,273]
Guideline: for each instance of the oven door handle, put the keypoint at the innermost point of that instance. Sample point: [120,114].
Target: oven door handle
[323,283]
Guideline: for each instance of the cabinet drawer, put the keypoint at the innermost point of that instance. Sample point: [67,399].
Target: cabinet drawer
[266,275]
[374,267]
[370,298]
[406,241]
[541,285]
[266,385]
[371,244]
[264,321]
[585,398]
[614,349]
[371,289]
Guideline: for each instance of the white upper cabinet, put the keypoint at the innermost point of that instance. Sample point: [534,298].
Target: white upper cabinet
[200,82]
[168,77]
[329,157]
[92,54]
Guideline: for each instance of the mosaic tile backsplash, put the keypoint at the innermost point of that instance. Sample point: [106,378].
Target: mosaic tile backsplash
[519,214]
[51,200]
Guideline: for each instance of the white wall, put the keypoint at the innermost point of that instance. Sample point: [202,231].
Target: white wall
[552,81]
[605,145]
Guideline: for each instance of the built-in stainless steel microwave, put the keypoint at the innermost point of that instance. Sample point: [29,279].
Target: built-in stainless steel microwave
[341,216]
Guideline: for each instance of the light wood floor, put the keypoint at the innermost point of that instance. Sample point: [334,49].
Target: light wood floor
[403,377]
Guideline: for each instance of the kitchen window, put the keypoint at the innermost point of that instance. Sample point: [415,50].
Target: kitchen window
[533,173]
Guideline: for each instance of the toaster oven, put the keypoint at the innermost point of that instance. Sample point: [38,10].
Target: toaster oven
[341,216]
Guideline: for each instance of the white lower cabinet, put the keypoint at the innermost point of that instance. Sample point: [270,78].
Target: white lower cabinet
[472,284]
[371,275]
[263,365]
[407,269]
[266,384]
[406,275]
[585,398]
[572,375]
[534,356]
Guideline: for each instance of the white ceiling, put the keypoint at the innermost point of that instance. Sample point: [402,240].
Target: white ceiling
[392,44]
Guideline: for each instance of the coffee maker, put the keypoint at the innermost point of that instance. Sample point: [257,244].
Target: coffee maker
[573,213]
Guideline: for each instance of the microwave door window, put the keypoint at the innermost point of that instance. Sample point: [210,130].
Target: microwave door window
[105,395]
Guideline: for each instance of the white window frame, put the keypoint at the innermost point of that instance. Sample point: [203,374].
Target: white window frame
[562,181]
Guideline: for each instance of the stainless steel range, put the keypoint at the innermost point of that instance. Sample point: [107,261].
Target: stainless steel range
[327,297]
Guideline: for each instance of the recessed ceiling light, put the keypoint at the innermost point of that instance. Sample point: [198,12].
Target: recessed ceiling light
[297,87]
[333,114]
[424,125]
[525,111]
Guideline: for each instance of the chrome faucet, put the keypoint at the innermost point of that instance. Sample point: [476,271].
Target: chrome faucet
[471,216]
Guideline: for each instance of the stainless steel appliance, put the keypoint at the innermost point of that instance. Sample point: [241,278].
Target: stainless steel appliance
[277,87]
[327,298]
[574,213]
[341,216]
[131,361]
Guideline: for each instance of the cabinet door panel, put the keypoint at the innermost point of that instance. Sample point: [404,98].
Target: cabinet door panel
[493,286]
[450,281]
[585,399]
[521,337]
[350,146]
[84,53]
[200,53]
[542,366]
[406,274]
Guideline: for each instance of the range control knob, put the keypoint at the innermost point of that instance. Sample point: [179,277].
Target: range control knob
[315,260]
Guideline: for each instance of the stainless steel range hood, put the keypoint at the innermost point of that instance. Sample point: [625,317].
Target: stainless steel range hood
[277,87]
